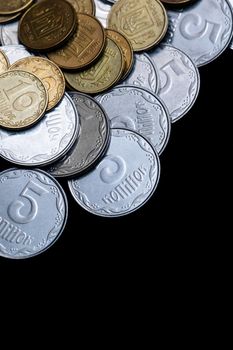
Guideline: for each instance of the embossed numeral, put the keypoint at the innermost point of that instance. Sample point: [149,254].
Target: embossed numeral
[168,69]
[24,99]
[112,169]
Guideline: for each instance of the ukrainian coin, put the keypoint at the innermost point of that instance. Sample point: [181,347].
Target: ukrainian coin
[15,52]
[102,11]
[33,212]
[48,72]
[179,80]
[47,24]
[83,6]
[139,110]
[231,3]
[8,18]
[84,47]
[92,141]
[9,7]
[9,33]
[45,142]
[123,181]
[23,99]
[103,74]
[143,22]
[202,30]
[4,63]
[143,74]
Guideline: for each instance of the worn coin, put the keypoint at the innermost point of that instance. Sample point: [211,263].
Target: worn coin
[8,18]
[83,6]
[4,63]
[102,11]
[123,181]
[33,212]
[15,52]
[9,33]
[8,7]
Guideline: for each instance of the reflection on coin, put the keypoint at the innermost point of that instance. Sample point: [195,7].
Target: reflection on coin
[102,11]
[47,24]
[202,30]
[84,6]
[9,33]
[23,99]
[33,212]
[123,181]
[48,72]
[143,22]
[9,7]
[103,74]
[84,47]
[8,18]
[92,141]
[4,63]
[15,52]
[45,142]
[139,110]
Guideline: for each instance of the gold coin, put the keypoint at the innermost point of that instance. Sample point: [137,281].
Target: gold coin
[8,7]
[103,74]
[143,22]
[83,6]
[84,47]
[4,63]
[48,73]
[126,48]
[23,99]
[8,18]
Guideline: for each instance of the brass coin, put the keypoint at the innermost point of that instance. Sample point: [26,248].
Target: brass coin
[47,24]
[143,22]
[126,48]
[103,74]
[4,63]
[8,7]
[84,47]
[83,6]
[23,99]
[48,72]
[8,18]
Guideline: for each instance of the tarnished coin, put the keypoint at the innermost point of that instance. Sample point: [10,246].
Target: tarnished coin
[102,11]
[103,74]
[83,6]
[126,48]
[139,110]
[84,47]
[179,80]
[47,24]
[15,52]
[4,63]
[33,212]
[46,141]
[92,141]
[143,22]
[202,30]
[8,7]
[9,33]
[123,181]
[48,72]
[8,18]
[23,99]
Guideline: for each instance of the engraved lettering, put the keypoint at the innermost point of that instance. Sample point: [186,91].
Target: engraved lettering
[54,125]
[13,234]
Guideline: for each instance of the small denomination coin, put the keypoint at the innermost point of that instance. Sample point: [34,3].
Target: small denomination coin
[102,11]
[83,6]
[103,74]
[139,110]
[23,99]
[92,141]
[84,47]
[48,72]
[15,52]
[179,80]
[8,18]
[9,33]
[47,24]
[33,212]
[8,7]
[123,181]
[4,63]
[143,22]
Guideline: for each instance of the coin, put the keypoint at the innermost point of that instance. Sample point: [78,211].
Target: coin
[102,11]
[231,3]
[84,47]
[84,6]
[4,63]
[123,181]
[48,72]
[8,18]
[15,52]
[143,22]
[9,33]
[9,7]
[126,48]
[23,99]
[33,212]
[103,74]
[46,141]
[47,24]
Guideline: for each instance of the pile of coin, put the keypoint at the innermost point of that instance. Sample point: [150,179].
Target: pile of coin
[89,91]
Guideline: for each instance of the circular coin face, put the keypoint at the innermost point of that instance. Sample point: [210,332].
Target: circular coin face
[143,22]
[33,212]
[8,7]
[4,63]
[84,6]
[48,72]
[23,99]
[47,24]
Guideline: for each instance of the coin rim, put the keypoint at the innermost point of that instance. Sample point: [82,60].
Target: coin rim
[17,10]
[6,59]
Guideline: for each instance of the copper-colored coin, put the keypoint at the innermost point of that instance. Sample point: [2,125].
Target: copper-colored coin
[83,6]
[8,7]
[103,74]
[126,48]
[4,63]
[84,47]
[48,72]
[23,99]
[47,25]
[8,18]
[143,22]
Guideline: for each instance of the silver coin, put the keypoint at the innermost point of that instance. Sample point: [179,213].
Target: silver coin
[15,52]
[33,212]
[144,73]
[45,142]
[123,181]
[9,33]
[202,30]
[231,3]
[92,141]
[179,80]
[139,110]
[102,9]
